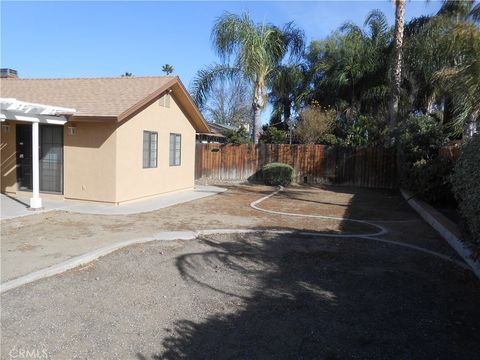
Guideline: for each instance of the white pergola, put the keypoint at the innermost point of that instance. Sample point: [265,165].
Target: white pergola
[13,109]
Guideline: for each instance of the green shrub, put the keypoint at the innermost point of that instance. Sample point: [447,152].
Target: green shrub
[431,180]
[420,137]
[272,135]
[466,187]
[328,139]
[237,137]
[363,131]
[277,174]
[422,170]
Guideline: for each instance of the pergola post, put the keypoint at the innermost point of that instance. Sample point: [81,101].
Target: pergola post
[17,110]
[35,201]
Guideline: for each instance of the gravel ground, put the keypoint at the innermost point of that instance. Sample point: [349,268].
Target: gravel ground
[250,297]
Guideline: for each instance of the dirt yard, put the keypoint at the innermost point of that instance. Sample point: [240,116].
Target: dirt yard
[35,242]
[246,296]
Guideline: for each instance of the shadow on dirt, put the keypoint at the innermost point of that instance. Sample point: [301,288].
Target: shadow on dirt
[300,297]
[305,298]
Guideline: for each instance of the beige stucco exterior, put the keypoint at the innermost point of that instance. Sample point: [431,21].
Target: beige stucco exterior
[133,181]
[103,161]
[8,157]
[89,162]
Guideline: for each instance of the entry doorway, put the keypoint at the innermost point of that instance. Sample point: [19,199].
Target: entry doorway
[51,157]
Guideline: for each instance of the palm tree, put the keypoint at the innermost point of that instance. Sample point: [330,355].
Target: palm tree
[441,58]
[168,69]
[256,48]
[348,68]
[397,62]
[287,84]
[463,79]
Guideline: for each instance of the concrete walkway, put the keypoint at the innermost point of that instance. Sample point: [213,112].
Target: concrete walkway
[13,207]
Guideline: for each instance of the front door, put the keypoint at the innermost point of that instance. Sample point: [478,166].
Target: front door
[51,158]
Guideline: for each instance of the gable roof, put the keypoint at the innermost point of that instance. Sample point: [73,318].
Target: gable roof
[103,99]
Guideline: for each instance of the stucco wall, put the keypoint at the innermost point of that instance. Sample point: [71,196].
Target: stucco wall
[104,161]
[133,181]
[89,162]
[8,158]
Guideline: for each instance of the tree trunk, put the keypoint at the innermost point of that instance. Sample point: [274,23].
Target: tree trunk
[397,63]
[257,106]
[287,111]
[256,125]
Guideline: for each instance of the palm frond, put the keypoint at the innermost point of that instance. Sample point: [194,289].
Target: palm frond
[294,39]
[206,78]
[475,13]
[378,24]
[350,27]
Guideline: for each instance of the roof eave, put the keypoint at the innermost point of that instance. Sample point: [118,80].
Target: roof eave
[94,118]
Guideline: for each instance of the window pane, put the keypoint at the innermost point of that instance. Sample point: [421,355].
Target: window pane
[153,149]
[171,155]
[150,146]
[146,149]
[178,147]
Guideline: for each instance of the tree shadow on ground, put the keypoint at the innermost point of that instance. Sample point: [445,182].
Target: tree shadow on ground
[303,297]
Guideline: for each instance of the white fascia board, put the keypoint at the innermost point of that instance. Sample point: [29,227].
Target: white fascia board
[10,104]
[43,119]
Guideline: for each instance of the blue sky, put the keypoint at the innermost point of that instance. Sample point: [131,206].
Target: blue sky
[92,38]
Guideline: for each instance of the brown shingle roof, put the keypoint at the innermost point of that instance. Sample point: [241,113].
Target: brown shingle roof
[89,96]
[116,99]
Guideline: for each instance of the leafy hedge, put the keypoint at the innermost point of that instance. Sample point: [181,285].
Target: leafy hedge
[277,174]
[466,187]
[431,180]
[423,171]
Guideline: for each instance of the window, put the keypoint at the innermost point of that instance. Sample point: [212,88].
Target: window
[150,145]
[175,149]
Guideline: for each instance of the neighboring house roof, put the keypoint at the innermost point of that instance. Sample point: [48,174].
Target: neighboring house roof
[220,128]
[103,99]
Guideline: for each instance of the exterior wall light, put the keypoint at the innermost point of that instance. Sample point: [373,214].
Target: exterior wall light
[72,130]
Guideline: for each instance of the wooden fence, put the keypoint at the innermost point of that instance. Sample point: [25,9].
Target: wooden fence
[370,167]
[450,152]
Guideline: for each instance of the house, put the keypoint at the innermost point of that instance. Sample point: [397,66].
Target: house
[216,133]
[108,140]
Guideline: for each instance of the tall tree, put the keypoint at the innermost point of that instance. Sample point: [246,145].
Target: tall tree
[348,69]
[397,62]
[441,64]
[287,83]
[168,69]
[228,103]
[256,49]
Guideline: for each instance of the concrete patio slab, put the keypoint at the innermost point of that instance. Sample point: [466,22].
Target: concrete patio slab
[13,207]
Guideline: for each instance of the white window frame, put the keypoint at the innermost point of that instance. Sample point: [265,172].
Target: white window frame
[175,149]
[150,162]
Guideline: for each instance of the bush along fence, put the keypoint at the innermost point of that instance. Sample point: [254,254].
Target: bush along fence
[314,164]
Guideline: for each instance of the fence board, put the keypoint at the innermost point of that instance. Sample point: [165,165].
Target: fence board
[371,167]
